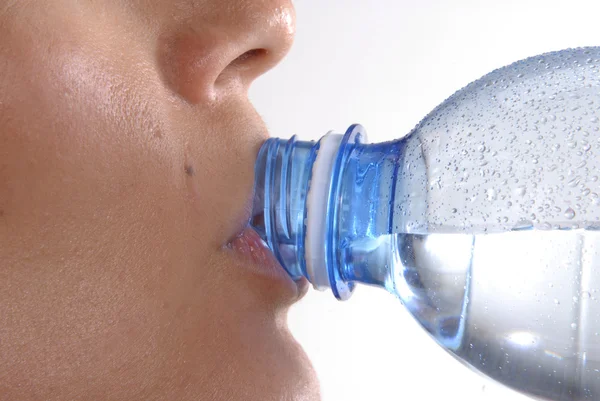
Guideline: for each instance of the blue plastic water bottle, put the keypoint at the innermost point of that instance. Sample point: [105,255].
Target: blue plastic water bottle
[483,220]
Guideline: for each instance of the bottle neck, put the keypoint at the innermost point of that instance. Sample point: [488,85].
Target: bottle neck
[326,208]
[282,173]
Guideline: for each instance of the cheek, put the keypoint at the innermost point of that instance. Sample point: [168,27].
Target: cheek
[93,165]
[87,140]
[93,222]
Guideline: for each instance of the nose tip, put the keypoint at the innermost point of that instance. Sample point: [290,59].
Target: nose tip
[225,47]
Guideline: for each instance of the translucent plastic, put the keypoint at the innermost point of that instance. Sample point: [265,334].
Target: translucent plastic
[483,221]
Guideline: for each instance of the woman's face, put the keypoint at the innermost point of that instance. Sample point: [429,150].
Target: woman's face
[127,145]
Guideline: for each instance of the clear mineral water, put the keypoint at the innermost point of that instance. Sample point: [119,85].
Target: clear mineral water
[484,221]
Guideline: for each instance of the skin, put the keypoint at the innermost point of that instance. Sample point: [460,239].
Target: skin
[127,146]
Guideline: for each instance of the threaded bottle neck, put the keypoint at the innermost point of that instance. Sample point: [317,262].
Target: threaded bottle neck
[282,174]
[297,205]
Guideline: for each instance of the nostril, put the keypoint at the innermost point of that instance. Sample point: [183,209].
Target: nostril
[249,55]
[246,66]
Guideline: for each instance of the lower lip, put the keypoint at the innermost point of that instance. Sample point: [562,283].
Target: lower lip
[259,258]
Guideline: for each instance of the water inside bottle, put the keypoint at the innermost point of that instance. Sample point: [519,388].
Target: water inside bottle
[521,306]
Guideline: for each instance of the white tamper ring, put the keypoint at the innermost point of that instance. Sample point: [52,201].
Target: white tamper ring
[316,205]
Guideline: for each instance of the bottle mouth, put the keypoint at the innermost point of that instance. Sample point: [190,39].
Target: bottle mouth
[282,173]
[296,193]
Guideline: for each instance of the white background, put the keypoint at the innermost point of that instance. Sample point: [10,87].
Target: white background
[386,64]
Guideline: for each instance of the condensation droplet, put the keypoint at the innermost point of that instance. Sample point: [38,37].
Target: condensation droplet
[520,191]
[570,213]
[573,182]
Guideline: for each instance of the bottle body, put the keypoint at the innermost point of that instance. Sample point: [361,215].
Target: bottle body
[483,221]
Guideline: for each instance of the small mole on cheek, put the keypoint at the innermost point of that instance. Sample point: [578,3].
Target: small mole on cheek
[189,170]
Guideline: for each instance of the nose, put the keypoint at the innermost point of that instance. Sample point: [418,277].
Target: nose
[214,48]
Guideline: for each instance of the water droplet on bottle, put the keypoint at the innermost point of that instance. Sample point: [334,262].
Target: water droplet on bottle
[570,213]
[594,119]
[520,191]
[523,224]
[556,301]
[573,182]
[573,326]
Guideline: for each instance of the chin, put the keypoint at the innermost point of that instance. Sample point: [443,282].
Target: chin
[306,382]
[282,370]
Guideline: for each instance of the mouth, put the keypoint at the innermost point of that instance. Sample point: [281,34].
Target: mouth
[256,256]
